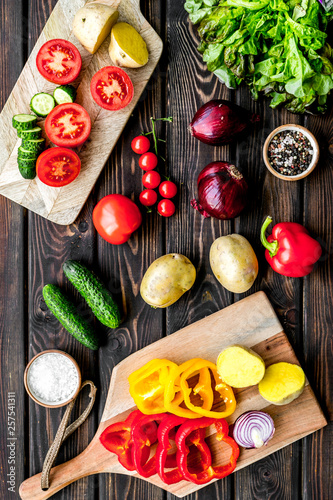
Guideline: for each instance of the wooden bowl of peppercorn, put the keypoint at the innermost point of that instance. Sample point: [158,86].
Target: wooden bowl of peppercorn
[291,152]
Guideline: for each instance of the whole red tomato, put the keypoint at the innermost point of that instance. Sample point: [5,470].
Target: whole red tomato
[116,217]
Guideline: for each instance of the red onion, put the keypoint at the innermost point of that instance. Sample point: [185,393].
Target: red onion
[253,429]
[222,191]
[220,122]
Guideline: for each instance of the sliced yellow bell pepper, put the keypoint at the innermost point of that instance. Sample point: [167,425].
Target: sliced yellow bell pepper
[147,385]
[161,385]
[174,395]
[225,391]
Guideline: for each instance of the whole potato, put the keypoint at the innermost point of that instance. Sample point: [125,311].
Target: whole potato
[234,262]
[167,279]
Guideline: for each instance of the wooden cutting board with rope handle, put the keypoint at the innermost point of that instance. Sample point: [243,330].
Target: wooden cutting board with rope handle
[62,205]
[250,322]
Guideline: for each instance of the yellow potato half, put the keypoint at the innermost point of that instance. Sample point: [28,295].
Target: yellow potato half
[282,383]
[92,24]
[240,367]
[127,47]
[167,279]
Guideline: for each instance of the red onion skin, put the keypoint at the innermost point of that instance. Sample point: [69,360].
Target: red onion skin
[220,122]
[222,191]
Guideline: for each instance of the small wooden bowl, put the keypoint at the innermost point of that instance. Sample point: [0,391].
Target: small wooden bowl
[26,378]
[313,142]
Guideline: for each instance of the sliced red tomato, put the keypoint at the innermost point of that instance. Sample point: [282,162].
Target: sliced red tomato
[111,88]
[58,167]
[68,125]
[59,61]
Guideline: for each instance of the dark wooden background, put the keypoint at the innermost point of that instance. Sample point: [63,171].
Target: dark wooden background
[33,249]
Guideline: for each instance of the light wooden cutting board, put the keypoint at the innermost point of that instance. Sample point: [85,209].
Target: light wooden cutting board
[251,322]
[62,205]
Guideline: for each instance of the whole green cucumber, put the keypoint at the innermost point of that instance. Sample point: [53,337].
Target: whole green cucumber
[65,312]
[94,292]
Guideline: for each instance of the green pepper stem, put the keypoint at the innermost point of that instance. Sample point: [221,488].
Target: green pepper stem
[273,246]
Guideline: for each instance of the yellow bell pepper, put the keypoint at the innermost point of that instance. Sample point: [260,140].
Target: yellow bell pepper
[147,385]
[174,395]
[161,385]
[225,391]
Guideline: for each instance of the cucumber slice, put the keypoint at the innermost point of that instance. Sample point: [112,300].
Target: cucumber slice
[25,154]
[42,104]
[24,122]
[36,145]
[25,163]
[64,94]
[27,168]
[27,173]
[33,133]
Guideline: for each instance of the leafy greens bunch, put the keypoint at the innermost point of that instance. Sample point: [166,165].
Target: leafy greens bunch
[275,46]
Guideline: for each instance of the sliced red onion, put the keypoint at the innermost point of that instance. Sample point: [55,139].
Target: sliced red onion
[253,429]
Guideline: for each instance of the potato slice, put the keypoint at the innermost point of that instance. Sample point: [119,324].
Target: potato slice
[282,383]
[240,367]
[127,48]
[92,24]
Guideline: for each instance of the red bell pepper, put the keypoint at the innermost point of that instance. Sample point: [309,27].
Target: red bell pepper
[210,472]
[163,435]
[145,467]
[117,438]
[290,250]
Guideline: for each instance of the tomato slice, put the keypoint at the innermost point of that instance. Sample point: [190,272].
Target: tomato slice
[58,167]
[111,88]
[59,61]
[68,125]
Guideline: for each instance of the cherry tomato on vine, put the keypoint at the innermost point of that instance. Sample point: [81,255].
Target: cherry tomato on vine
[140,144]
[151,179]
[148,197]
[148,161]
[166,208]
[168,189]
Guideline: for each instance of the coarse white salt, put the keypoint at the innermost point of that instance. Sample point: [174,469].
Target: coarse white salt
[52,378]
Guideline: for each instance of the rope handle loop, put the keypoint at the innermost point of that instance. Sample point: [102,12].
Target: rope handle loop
[64,432]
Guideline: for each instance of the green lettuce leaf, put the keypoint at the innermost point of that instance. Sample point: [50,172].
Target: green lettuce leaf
[277,47]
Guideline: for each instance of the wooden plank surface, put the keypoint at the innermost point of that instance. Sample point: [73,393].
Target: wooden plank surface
[179,85]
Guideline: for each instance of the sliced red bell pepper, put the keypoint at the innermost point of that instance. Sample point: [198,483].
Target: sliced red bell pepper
[184,433]
[145,467]
[163,435]
[117,438]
